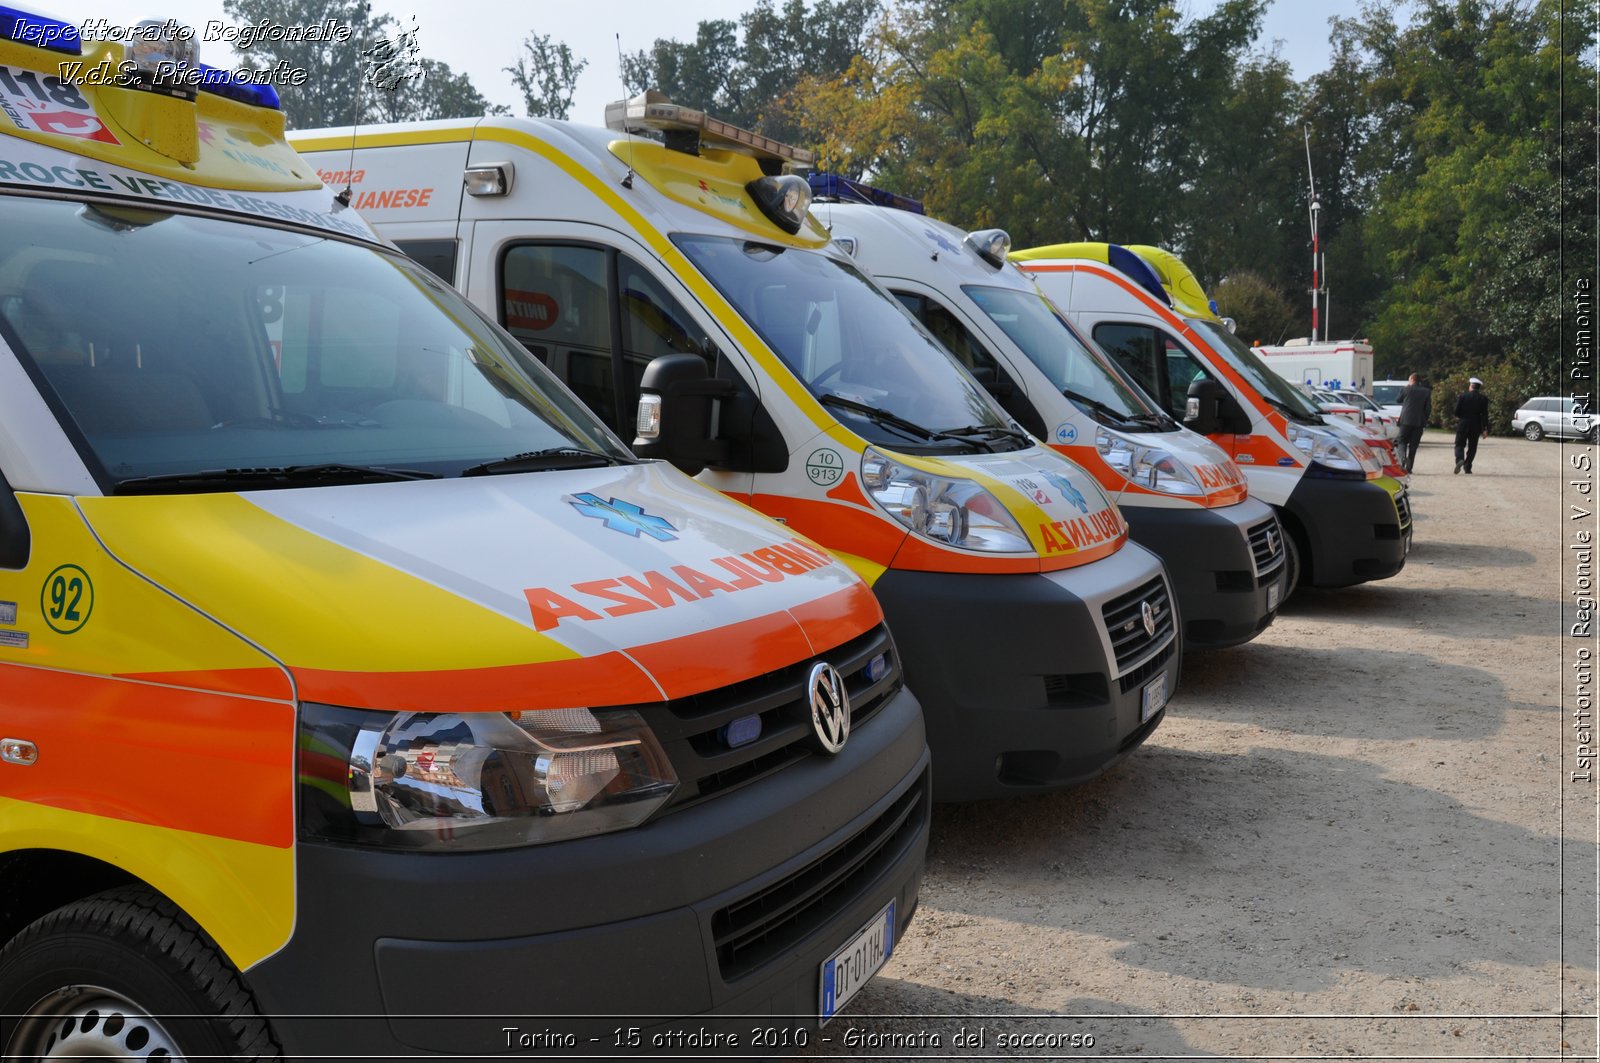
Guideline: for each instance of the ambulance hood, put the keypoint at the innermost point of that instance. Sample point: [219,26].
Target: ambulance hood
[544,590]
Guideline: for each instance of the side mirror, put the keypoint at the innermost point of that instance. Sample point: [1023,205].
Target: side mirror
[677,417]
[16,541]
[1209,408]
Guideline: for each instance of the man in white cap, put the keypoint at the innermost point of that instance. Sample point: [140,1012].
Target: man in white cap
[1472,423]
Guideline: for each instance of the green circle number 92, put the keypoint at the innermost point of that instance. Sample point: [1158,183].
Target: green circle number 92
[67,599]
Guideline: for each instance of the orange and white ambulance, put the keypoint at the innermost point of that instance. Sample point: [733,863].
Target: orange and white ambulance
[353,676]
[1346,521]
[682,289]
[1182,496]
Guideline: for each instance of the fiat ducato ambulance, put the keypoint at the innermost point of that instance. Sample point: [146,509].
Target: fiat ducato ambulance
[353,676]
[682,289]
[1346,522]
[1182,496]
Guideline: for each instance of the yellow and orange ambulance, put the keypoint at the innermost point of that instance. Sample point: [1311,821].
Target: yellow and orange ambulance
[1182,496]
[683,290]
[353,676]
[1346,521]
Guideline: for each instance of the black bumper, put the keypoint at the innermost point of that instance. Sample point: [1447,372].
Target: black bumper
[1351,529]
[1015,679]
[1222,599]
[405,954]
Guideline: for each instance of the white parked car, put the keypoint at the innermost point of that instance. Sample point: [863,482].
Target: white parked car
[1553,415]
[1378,419]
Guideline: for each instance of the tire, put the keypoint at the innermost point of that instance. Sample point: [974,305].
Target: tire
[1534,431]
[125,975]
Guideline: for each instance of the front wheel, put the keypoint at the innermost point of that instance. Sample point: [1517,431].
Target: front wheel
[125,975]
[1534,431]
[1291,566]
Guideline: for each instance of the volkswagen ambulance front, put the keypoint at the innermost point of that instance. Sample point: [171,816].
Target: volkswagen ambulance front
[1346,522]
[353,677]
[1182,496]
[681,286]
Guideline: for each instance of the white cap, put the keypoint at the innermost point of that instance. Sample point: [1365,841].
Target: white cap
[1474,380]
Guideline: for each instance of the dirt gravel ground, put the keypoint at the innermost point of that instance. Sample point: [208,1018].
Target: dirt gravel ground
[1354,837]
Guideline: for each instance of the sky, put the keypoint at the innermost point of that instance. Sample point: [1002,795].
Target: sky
[481,38]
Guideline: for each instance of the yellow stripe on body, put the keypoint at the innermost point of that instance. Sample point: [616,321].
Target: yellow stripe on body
[240,893]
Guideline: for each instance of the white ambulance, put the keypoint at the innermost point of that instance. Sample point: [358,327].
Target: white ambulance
[680,285]
[360,693]
[1334,365]
[1346,521]
[1182,496]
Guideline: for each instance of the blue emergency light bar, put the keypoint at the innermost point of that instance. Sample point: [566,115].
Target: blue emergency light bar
[229,85]
[1138,270]
[846,190]
[24,27]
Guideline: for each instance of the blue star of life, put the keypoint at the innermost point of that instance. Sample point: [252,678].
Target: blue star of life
[623,517]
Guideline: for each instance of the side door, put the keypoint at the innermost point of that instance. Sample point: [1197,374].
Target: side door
[596,308]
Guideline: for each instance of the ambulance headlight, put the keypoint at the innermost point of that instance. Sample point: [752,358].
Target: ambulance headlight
[490,780]
[161,48]
[1149,467]
[1329,456]
[992,245]
[784,200]
[949,510]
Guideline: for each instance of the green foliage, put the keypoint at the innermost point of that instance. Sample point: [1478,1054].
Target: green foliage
[1263,313]
[337,92]
[547,76]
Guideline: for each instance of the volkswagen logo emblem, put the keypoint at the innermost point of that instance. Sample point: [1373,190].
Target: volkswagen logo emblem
[830,706]
[1148,615]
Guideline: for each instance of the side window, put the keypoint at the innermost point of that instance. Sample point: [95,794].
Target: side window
[653,324]
[553,298]
[436,256]
[970,352]
[1158,362]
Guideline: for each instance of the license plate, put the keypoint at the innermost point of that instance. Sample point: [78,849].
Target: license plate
[847,970]
[1155,696]
[1274,593]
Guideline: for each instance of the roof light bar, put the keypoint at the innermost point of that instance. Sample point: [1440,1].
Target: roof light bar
[652,110]
[848,190]
[24,27]
[1137,269]
[234,85]
[992,245]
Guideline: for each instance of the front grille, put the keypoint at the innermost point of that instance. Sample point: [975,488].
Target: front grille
[751,931]
[1266,545]
[1146,670]
[691,728]
[1124,619]
[1402,507]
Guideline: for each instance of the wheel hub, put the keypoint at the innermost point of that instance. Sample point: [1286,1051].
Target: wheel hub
[87,1022]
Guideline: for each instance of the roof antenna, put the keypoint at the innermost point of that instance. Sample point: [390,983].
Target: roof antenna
[343,198]
[627,181]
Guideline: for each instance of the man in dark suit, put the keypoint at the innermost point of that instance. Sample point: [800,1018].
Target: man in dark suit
[1472,424]
[1416,403]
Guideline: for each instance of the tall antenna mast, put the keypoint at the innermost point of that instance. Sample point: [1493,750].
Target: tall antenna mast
[1319,277]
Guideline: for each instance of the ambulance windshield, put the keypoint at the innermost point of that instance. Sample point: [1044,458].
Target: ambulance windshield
[1268,384]
[854,347]
[175,346]
[1073,368]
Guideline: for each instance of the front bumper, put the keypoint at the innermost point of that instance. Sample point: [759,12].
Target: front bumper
[403,954]
[1355,530]
[1225,588]
[1017,675]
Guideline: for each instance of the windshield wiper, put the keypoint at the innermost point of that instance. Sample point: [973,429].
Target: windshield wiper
[549,458]
[284,476]
[1159,421]
[891,420]
[1099,407]
[988,433]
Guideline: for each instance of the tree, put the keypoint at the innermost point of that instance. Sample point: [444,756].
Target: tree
[547,75]
[435,92]
[1263,313]
[336,93]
